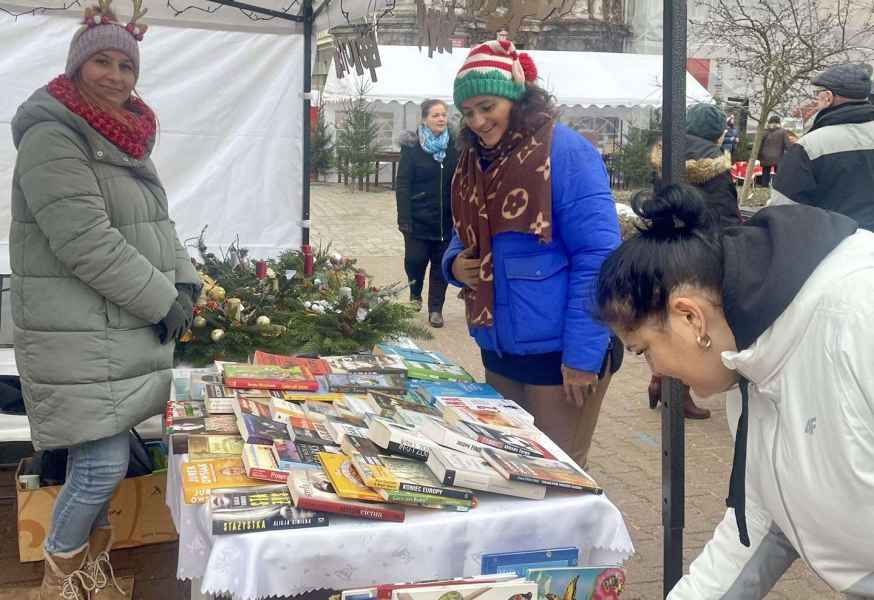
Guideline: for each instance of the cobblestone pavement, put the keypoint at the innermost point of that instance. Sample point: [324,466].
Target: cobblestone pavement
[625,457]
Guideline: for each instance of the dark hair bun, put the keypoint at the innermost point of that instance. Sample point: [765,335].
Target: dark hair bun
[676,210]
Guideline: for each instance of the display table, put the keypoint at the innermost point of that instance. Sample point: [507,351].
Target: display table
[355,553]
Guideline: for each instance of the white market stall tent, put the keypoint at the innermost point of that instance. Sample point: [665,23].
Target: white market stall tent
[607,85]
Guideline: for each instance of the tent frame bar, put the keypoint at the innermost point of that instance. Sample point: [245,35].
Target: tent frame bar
[261,11]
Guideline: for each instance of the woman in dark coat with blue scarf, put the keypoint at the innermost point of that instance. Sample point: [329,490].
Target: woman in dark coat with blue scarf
[428,160]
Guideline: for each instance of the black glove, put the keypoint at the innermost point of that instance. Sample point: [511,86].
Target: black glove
[186,298]
[172,326]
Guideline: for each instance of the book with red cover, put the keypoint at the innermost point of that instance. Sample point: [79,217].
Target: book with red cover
[316,366]
[312,490]
[269,377]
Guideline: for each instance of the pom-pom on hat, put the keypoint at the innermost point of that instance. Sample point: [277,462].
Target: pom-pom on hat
[494,69]
[101,30]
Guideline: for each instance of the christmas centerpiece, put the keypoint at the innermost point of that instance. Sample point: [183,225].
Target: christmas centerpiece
[298,303]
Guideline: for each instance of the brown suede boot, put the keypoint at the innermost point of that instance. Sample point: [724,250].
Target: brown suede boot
[65,576]
[106,585]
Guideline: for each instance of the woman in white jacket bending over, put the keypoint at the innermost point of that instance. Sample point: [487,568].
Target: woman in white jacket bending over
[779,310]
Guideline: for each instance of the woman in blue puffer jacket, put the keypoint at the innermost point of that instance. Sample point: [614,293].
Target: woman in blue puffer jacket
[534,219]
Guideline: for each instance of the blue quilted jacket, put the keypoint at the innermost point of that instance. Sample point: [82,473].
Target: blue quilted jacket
[544,293]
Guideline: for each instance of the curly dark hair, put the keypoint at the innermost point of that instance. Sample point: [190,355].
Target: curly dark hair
[526,111]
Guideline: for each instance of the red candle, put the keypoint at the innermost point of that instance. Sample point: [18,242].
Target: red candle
[360,280]
[260,269]
[307,259]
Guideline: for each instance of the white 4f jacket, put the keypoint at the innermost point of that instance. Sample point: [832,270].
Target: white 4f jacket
[810,448]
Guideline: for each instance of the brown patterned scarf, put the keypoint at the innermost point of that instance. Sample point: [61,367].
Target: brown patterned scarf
[513,194]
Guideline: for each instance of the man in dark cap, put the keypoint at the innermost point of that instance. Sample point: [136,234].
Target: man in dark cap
[832,166]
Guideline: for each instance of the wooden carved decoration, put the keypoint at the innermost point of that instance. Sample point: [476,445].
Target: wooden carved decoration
[435,27]
[511,19]
[359,53]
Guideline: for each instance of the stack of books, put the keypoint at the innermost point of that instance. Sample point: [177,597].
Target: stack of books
[352,435]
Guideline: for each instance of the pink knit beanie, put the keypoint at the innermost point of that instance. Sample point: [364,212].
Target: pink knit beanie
[102,31]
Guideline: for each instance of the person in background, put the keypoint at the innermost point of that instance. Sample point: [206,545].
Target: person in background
[101,288]
[832,165]
[534,218]
[708,169]
[774,145]
[780,319]
[424,185]
[729,142]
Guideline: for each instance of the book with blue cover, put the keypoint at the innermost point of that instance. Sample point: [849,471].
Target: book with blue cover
[426,356]
[579,583]
[520,562]
[430,390]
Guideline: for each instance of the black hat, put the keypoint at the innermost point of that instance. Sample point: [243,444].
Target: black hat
[850,80]
[774,119]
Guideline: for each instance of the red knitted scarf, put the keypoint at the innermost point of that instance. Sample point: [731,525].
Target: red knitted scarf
[131,136]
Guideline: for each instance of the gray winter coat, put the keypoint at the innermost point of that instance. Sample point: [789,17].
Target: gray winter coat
[94,260]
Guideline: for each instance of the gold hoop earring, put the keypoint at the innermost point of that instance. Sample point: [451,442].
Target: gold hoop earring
[704,341]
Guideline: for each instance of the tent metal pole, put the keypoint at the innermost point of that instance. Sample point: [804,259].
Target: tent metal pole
[260,10]
[673,168]
[308,19]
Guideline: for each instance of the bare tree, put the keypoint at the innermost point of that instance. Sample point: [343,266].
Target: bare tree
[777,46]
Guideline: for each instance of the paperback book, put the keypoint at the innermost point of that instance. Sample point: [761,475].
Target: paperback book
[339,430]
[366,363]
[463,470]
[345,479]
[271,377]
[261,430]
[301,429]
[355,383]
[384,591]
[436,372]
[514,589]
[489,415]
[313,490]
[282,411]
[198,478]
[429,391]
[260,464]
[456,437]
[316,366]
[424,356]
[395,438]
[522,442]
[316,396]
[184,409]
[262,508]
[206,446]
[504,405]
[519,563]
[296,455]
[394,474]
[543,471]
[581,583]
[247,405]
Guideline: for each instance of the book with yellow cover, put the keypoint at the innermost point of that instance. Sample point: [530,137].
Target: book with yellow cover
[198,478]
[206,446]
[344,478]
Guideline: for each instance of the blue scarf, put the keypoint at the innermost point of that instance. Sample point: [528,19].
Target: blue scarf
[434,144]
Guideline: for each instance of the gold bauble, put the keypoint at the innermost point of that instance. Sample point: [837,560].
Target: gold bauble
[217,293]
[217,334]
[186,337]
[263,322]
[199,322]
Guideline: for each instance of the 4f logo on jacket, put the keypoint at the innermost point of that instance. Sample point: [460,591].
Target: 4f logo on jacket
[811,425]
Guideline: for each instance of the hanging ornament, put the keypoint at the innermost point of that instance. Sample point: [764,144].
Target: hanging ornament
[263,322]
[199,322]
[186,337]
[217,334]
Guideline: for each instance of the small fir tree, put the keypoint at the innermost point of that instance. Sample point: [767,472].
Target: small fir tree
[321,147]
[356,139]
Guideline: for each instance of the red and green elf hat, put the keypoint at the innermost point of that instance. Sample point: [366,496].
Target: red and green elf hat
[494,69]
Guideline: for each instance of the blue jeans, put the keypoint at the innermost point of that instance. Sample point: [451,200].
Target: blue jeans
[94,470]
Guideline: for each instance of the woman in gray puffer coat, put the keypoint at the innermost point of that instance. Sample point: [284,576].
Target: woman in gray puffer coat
[101,287]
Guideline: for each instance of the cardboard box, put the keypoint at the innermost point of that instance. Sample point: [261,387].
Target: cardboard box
[137,511]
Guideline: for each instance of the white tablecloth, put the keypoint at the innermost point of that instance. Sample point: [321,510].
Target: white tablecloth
[353,553]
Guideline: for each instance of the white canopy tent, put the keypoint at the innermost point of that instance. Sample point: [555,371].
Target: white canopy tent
[575,78]
[607,85]
[228,92]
